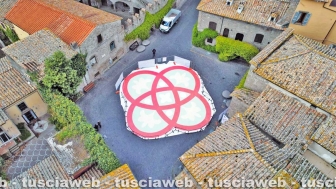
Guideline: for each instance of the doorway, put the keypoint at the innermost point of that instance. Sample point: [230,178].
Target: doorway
[104,2]
[29,116]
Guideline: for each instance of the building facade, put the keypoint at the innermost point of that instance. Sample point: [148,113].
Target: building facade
[316,20]
[85,29]
[20,102]
[253,21]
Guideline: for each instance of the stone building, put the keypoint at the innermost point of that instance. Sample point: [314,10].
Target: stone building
[270,140]
[316,20]
[282,125]
[31,52]
[257,22]
[66,163]
[86,29]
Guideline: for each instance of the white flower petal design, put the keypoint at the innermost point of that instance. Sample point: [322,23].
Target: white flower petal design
[148,120]
[191,112]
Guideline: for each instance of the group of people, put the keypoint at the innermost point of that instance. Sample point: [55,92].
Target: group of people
[97,126]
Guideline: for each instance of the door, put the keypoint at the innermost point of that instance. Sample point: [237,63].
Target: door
[29,116]
[226,32]
[239,37]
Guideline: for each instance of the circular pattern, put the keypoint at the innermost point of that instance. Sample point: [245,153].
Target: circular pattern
[163,100]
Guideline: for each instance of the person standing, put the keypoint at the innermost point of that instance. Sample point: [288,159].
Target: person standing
[154,51]
[99,124]
[96,127]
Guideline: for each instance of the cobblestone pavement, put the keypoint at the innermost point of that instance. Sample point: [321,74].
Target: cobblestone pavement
[33,152]
[158,158]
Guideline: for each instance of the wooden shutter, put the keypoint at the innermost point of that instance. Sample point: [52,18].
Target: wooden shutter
[306,19]
[296,17]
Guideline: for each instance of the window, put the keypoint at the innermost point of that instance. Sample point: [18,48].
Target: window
[212,25]
[258,38]
[93,60]
[239,37]
[333,3]
[3,136]
[22,106]
[226,32]
[209,40]
[29,116]
[301,18]
[112,45]
[99,38]
[229,2]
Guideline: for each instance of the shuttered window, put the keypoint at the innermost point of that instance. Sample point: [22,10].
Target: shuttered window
[301,18]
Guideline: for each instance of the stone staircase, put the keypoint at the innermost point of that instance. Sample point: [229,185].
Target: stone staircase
[14,149]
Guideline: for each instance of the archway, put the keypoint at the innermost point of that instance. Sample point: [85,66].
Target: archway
[121,6]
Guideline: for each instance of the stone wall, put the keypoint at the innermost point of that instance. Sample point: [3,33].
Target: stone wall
[254,81]
[249,30]
[236,106]
[105,57]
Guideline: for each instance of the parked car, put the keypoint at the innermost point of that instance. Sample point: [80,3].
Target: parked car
[170,20]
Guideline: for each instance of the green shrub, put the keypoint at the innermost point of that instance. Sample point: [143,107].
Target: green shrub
[10,33]
[24,132]
[72,122]
[2,171]
[143,31]
[242,81]
[198,38]
[229,49]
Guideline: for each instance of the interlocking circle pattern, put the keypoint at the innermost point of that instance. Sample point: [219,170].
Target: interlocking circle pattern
[161,83]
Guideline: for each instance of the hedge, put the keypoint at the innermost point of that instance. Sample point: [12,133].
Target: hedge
[229,49]
[198,38]
[70,119]
[143,31]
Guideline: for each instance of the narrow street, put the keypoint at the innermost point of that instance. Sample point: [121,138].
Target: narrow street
[158,158]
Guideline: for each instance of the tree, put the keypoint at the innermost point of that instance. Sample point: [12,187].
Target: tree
[60,75]
[78,63]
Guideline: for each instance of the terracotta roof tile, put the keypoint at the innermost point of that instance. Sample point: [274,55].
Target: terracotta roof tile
[255,11]
[246,95]
[83,11]
[325,135]
[262,55]
[35,15]
[245,146]
[50,168]
[13,85]
[122,173]
[283,117]
[31,51]
[303,67]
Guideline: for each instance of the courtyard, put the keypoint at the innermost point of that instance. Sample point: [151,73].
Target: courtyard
[158,159]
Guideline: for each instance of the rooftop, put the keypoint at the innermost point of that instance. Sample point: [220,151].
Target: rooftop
[70,20]
[31,51]
[50,168]
[122,173]
[245,95]
[258,145]
[254,11]
[5,6]
[301,66]
[13,84]
[71,153]
[325,135]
